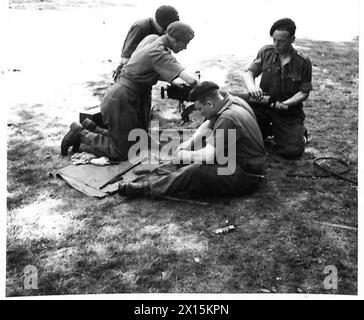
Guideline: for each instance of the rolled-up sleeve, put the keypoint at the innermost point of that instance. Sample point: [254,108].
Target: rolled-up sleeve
[165,65]
[256,66]
[306,82]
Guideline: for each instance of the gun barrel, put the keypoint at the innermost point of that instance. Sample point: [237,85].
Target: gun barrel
[266,100]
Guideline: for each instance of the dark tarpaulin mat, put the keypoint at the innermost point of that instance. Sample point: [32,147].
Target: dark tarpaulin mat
[88,178]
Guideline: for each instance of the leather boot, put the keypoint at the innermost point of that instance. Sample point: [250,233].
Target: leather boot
[72,138]
[133,188]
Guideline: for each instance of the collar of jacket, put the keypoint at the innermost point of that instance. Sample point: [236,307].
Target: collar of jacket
[226,103]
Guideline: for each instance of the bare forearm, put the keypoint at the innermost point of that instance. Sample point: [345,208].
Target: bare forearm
[196,139]
[204,155]
[249,79]
[292,101]
[203,130]
[297,98]
[253,89]
[187,78]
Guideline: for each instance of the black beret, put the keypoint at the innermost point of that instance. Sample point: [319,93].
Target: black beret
[287,23]
[166,15]
[200,91]
[180,31]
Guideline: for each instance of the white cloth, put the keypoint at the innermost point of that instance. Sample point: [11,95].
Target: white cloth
[85,157]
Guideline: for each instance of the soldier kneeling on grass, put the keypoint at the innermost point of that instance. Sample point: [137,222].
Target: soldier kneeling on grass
[127,103]
[230,128]
[286,78]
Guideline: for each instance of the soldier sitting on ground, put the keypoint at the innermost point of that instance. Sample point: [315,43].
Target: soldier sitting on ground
[231,128]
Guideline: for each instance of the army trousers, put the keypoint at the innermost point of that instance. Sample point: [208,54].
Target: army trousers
[288,131]
[204,180]
[124,107]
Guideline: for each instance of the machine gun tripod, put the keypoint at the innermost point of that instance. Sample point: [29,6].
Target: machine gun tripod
[180,93]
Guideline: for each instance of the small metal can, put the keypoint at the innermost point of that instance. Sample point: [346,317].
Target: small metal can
[224,229]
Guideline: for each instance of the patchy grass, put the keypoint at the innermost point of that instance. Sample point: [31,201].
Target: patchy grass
[81,245]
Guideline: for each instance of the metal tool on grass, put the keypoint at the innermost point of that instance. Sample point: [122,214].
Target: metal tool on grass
[120,174]
[225,229]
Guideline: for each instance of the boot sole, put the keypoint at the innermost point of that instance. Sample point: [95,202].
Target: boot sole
[67,141]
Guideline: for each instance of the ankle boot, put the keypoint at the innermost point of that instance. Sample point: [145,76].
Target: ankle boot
[72,138]
[133,188]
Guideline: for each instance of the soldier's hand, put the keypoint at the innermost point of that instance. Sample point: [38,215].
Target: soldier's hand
[280,106]
[256,93]
[186,145]
[184,156]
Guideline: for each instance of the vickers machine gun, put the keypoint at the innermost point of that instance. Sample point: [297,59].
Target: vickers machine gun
[266,101]
[180,93]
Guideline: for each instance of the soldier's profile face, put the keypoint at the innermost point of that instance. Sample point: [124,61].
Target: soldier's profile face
[179,46]
[282,41]
[204,109]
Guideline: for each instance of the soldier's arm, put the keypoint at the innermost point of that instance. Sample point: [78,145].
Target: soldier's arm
[206,154]
[253,71]
[253,90]
[204,130]
[186,77]
[299,97]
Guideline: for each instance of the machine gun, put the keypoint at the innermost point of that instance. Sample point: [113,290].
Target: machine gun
[266,101]
[180,93]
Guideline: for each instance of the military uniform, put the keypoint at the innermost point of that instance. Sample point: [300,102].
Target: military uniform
[126,105]
[138,31]
[282,83]
[203,179]
[164,16]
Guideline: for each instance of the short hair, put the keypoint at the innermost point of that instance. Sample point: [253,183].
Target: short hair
[212,95]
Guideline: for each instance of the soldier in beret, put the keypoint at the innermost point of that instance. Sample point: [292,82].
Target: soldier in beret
[126,105]
[205,174]
[286,78]
[142,28]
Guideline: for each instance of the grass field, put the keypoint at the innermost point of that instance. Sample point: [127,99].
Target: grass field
[283,239]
